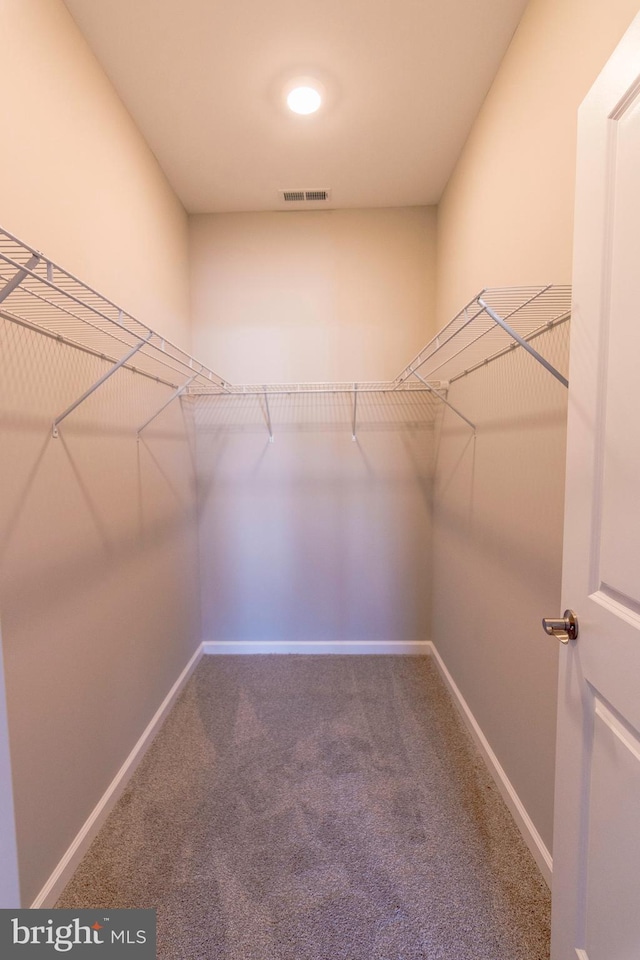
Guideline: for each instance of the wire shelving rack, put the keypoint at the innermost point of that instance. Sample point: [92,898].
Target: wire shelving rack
[38,294]
[494,321]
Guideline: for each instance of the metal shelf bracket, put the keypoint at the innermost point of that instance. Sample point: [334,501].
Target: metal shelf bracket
[355,412]
[98,383]
[523,343]
[19,277]
[269,426]
[174,396]
[440,396]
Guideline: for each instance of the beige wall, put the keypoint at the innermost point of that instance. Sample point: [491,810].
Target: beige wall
[506,216]
[314,537]
[505,219]
[323,295]
[498,519]
[77,180]
[98,583]
[98,549]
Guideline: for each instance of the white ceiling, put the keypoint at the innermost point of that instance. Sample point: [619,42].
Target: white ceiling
[203,80]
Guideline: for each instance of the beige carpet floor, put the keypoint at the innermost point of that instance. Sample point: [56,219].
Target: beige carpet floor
[318,808]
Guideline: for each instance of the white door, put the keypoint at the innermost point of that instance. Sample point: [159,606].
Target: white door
[596,873]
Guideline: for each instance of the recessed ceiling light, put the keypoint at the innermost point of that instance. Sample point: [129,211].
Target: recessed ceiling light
[304,100]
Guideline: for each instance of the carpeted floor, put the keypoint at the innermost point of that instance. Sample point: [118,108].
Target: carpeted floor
[318,808]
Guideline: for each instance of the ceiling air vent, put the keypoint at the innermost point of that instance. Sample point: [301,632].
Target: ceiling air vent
[304,196]
[316,194]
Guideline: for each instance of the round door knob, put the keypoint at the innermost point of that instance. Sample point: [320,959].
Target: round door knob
[564,629]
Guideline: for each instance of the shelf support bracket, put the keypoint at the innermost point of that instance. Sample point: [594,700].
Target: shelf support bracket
[19,277]
[355,412]
[523,343]
[98,383]
[441,396]
[174,396]
[266,401]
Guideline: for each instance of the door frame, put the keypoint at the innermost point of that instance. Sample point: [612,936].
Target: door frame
[9,878]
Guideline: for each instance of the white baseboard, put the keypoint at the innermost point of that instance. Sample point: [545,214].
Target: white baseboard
[524,822]
[69,862]
[411,648]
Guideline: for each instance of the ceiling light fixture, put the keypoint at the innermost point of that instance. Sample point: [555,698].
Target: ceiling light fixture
[304,100]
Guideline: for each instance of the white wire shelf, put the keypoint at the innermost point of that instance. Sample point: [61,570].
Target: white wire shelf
[40,295]
[37,293]
[307,389]
[474,336]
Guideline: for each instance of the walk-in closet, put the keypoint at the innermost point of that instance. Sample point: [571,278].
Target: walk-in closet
[286,393]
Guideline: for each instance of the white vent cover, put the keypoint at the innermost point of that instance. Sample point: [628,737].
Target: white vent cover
[304,196]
